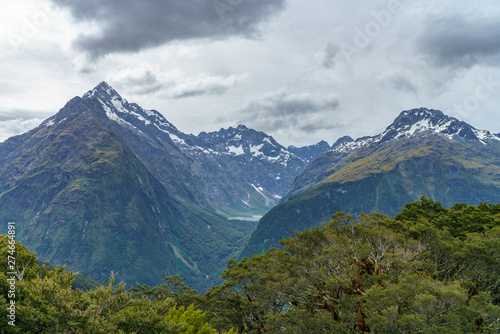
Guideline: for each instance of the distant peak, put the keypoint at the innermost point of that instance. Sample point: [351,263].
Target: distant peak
[411,117]
[418,114]
[103,85]
[423,120]
[424,112]
[341,140]
[102,90]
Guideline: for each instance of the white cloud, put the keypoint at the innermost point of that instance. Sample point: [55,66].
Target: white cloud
[14,127]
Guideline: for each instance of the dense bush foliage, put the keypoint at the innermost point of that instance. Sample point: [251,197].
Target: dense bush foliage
[47,302]
[429,269]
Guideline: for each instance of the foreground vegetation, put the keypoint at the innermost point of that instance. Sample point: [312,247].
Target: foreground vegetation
[427,270]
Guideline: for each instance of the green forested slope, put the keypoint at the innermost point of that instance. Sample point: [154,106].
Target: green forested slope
[427,270]
[382,179]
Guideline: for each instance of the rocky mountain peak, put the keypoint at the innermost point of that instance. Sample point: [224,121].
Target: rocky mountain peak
[411,117]
[341,140]
[102,94]
[128,114]
[419,122]
[103,91]
[241,135]
[310,152]
[109,99]
[427,121]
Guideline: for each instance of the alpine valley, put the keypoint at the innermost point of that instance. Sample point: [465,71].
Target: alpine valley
[422,153]
[105,185]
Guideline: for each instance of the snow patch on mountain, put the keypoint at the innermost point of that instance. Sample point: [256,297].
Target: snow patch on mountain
[121,111]
[255,150]
[485,135]
[113,116]
[236,150]
[176,139]
[261,190]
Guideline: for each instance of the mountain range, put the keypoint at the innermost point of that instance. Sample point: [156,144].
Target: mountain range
[105,185]
[236,170]
[422,153]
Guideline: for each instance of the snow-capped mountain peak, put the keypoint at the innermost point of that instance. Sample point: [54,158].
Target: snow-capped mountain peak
[429,121]
[421,122]
[102,90]
[243,141]
[239,142]
[124,113]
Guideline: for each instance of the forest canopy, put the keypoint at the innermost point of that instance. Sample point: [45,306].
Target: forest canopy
[429,269]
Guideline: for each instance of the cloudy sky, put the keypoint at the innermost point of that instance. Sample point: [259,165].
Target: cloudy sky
[300,70]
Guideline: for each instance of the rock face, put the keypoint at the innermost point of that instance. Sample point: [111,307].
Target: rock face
[105,185]
[422,153]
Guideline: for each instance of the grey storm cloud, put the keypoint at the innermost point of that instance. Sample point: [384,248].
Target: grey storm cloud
[326,56]
[148,79]
[285,111]
[399,83]
[132,25]
[214,90]
[205,85]
[459,42]
[146,84]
